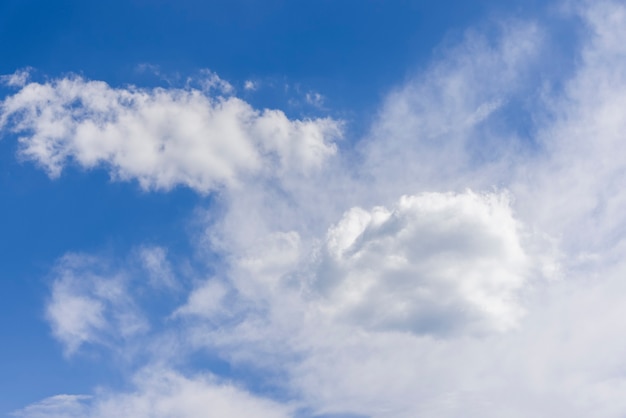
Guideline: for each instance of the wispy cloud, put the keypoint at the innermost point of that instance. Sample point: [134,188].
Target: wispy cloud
[314,99]
[90,303]
[17,79]
[162,392]
[250,85]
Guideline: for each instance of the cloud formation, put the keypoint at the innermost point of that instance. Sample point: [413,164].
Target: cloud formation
[435,263]
[161,137]
[445,266]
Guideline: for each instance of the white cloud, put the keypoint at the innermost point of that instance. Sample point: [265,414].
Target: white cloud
[435,134]
[314,99]
[211,81]
[435,263]
[161,138]
[441,130]
[17,79]
[75,318]
[59,406]
[574,191]
[162,393]
[91,304]
[205,301]
[154,260]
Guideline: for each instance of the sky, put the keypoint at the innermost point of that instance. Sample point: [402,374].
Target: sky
[312,209]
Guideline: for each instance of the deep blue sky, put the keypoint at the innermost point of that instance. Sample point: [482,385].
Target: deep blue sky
[351,50]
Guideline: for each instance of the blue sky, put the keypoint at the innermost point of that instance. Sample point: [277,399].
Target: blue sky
[312,209]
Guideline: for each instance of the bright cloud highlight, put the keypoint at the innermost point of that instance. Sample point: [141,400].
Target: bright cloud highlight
[435,263]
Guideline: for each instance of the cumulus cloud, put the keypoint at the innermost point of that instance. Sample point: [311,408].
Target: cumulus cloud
[160,137]
[435,263]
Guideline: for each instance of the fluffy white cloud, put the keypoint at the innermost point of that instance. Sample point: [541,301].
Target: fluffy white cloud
[435,263]
[162,138]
